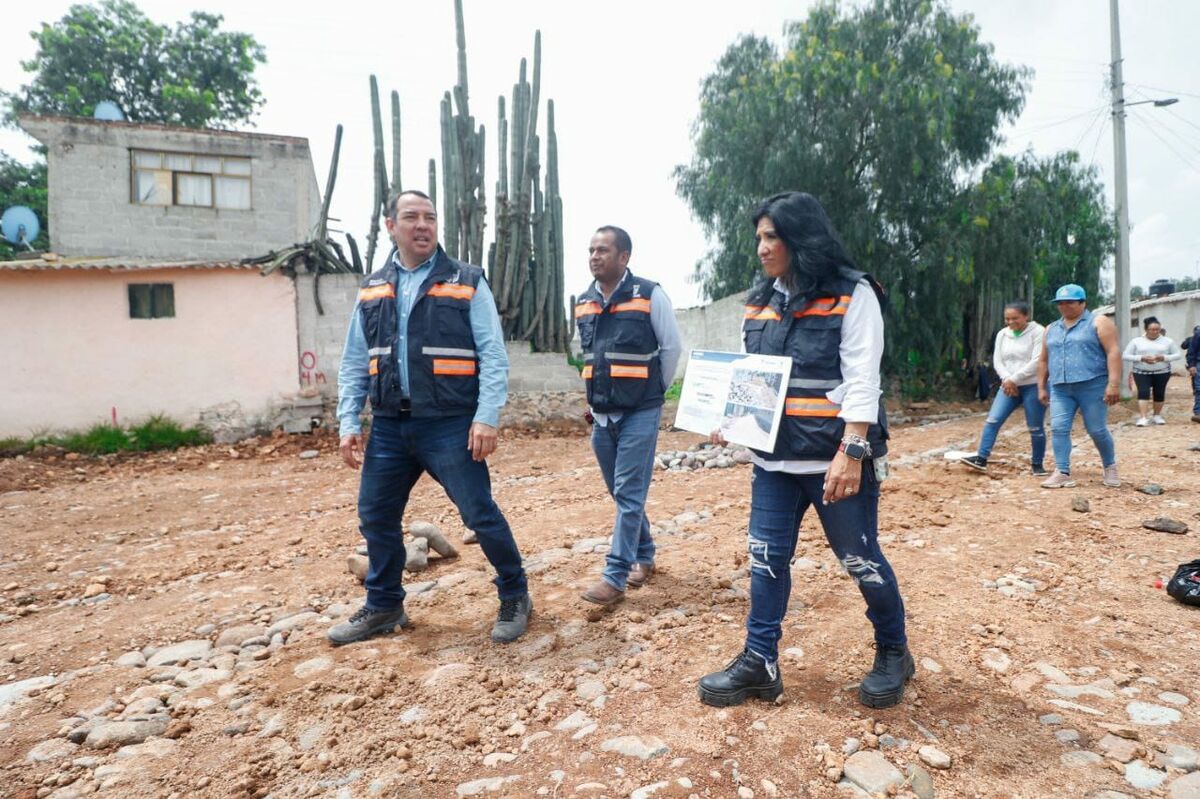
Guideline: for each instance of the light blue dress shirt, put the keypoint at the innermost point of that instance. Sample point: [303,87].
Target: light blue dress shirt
[354,381]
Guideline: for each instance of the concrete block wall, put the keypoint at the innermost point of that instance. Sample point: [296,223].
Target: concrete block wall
[540,371]
[716,326]
[90,198]
[321,337]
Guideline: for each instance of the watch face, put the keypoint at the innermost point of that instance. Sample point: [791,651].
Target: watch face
[856,451]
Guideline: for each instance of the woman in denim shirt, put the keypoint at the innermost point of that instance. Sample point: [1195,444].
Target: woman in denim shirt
[1080,371]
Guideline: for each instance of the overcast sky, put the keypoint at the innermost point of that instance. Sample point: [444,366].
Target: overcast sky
[625,77]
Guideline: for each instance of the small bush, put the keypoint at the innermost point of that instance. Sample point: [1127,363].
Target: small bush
[99,439]
[159,432]
[674,390]
[14,446]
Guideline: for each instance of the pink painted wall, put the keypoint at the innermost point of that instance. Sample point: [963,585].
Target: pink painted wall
[69,351]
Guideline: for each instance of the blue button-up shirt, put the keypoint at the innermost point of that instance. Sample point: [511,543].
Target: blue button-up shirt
[354,380]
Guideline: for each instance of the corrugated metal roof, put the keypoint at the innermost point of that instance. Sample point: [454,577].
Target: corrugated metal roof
[43,263]
[1179,296]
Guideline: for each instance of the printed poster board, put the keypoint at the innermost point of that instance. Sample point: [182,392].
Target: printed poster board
[742,395]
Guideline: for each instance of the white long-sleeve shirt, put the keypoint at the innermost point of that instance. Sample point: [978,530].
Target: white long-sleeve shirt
[1015,357]
[861,352]
[1162,345]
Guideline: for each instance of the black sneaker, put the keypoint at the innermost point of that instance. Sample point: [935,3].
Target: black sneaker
[975,462]
[513,619]
[366,623]
[1040,471]
[884,686]
[746,675]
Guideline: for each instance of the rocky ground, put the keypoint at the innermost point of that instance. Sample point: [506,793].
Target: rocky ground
[162,628]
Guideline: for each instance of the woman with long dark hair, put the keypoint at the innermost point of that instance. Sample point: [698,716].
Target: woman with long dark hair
[815,307]
[1152,356]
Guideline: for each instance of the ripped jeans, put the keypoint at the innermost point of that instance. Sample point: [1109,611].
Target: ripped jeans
[778,503]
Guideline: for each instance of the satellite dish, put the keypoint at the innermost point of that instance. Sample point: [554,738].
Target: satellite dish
[108,111]
[19,225]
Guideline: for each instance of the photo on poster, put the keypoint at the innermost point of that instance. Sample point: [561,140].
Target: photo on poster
[741,395]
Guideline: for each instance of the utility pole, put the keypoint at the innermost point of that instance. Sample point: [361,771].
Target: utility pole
[1122,316]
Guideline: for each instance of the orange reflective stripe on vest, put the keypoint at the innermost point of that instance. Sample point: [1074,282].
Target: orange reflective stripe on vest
[760,312]
[830,306]
[376,292]
[446,366]
[810,406]
[587,309]
[620,370]
[373,368]
[587,372]
[638,304]
[456,290]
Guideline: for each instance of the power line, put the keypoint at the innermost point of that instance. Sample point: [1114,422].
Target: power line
[1096,146]
[1186,141]
[1088,129]
[1165,91]
[1182,118]
[1187,162]
[1056,123]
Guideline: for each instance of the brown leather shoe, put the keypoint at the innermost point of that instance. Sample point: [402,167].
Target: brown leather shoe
[601,593]
[639,574]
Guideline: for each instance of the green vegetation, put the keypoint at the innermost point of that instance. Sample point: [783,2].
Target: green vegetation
[890,113]
[156,433]
[674,390]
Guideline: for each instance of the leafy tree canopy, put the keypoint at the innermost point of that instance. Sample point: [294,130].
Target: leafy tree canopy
[193,74]
[888,113]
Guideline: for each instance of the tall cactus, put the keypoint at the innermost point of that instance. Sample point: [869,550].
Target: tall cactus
[526,263]
[464,198]
[380,195]
[395,142]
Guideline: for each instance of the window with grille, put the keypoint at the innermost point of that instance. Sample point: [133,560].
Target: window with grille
[151,300]
[204,181]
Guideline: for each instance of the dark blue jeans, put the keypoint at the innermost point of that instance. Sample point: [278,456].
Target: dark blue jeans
[1087,398]
[1035,415]
[1196,389]
[778,502]
[625,451]
[398,452]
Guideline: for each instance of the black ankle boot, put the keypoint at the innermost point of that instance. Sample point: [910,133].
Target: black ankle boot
[884,686]
[746,675]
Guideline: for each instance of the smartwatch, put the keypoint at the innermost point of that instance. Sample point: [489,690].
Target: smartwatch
[855,450]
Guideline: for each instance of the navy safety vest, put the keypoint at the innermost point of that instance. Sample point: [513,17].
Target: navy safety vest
[443,373]
[621,367]
[810,332]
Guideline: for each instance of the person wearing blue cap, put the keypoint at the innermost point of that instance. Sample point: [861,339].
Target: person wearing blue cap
[1080,371]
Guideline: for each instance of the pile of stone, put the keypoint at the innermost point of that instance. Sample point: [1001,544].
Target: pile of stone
[702,456]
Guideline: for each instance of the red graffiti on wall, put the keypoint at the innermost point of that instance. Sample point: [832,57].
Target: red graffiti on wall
[309,374]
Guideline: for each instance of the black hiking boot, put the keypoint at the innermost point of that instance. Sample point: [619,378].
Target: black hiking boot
[975,462]
[513,619]
[884,686]
[746,675]
[366,623]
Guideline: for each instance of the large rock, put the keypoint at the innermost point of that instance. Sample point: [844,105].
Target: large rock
[181,653]
[123,733]
[1164,524]
[872,772]
[358,565]
[1143,777]
[292,622]
[194,678]
[1186,787]
[642,747]
[53,749]
[1151,715]
[236,636]
[1183,758]
[430,532]
[934,757]
[12,691]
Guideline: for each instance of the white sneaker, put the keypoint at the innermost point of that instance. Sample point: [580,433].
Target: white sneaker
[1158,420]
[1059,480]
[1111,478]
[1143,422]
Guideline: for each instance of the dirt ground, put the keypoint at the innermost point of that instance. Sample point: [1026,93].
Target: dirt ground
[1015,602]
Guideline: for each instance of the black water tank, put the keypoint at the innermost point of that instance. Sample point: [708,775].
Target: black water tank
[1161,288]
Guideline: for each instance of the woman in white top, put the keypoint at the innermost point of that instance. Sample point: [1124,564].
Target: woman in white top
[1152,355]
[1015,359]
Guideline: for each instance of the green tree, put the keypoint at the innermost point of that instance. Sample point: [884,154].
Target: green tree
[193,74]
[880,112]
[1029,225]
[23,184]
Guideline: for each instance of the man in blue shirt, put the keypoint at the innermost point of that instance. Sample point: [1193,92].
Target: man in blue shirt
[630,349]
[426,347]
